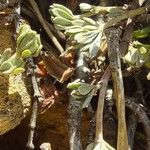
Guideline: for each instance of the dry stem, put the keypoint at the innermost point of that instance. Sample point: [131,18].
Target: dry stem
[42,21]
[113,37]
[100,106]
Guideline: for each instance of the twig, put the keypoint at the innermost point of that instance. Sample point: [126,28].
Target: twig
[42,21]
[29,13]
[139,110]
[37,98]
[129,14]
[100,106]
[113,37]
[126,39]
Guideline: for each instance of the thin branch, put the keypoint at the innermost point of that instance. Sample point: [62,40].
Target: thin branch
[30,14]
[126,39]
[100,106]
[42,21]
[37,98]
[129,14]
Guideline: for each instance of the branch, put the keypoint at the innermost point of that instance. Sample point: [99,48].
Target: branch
[113,37]
[30,14]
[129,14]
[42,21]
[100,106]
[37,98]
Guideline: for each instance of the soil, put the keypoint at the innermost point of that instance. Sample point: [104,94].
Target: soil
[52,127]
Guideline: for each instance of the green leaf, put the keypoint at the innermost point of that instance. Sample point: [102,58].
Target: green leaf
[18,71]
[26,53]
[86,37]
[61,21]
[88,99]
[73,31]
[85,47]
[61,7]
[89,21]
[90,27]
[141,33]
[57,12]
[95,47]
[79,22]
[85,7]
[143,50]
[5,55]
[74,85]
[77,95]
[5,66]
[60,27]
[85,88]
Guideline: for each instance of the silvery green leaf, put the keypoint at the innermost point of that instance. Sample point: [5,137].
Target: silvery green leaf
[61,21]
[73,27]
[61,7]
[73,31]
[85,88]
[85,37]
[76,94]
[88,99]
[18,71]
[90,27]
[85,47]
[17,61]
[57,12]
[5,55]
[95,46]
[79,22]
[5,66]
[60,27]
[85,7]
[28,40]
[89,21]
[74,85]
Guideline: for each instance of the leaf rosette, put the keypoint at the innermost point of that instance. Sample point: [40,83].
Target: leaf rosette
[28,42]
